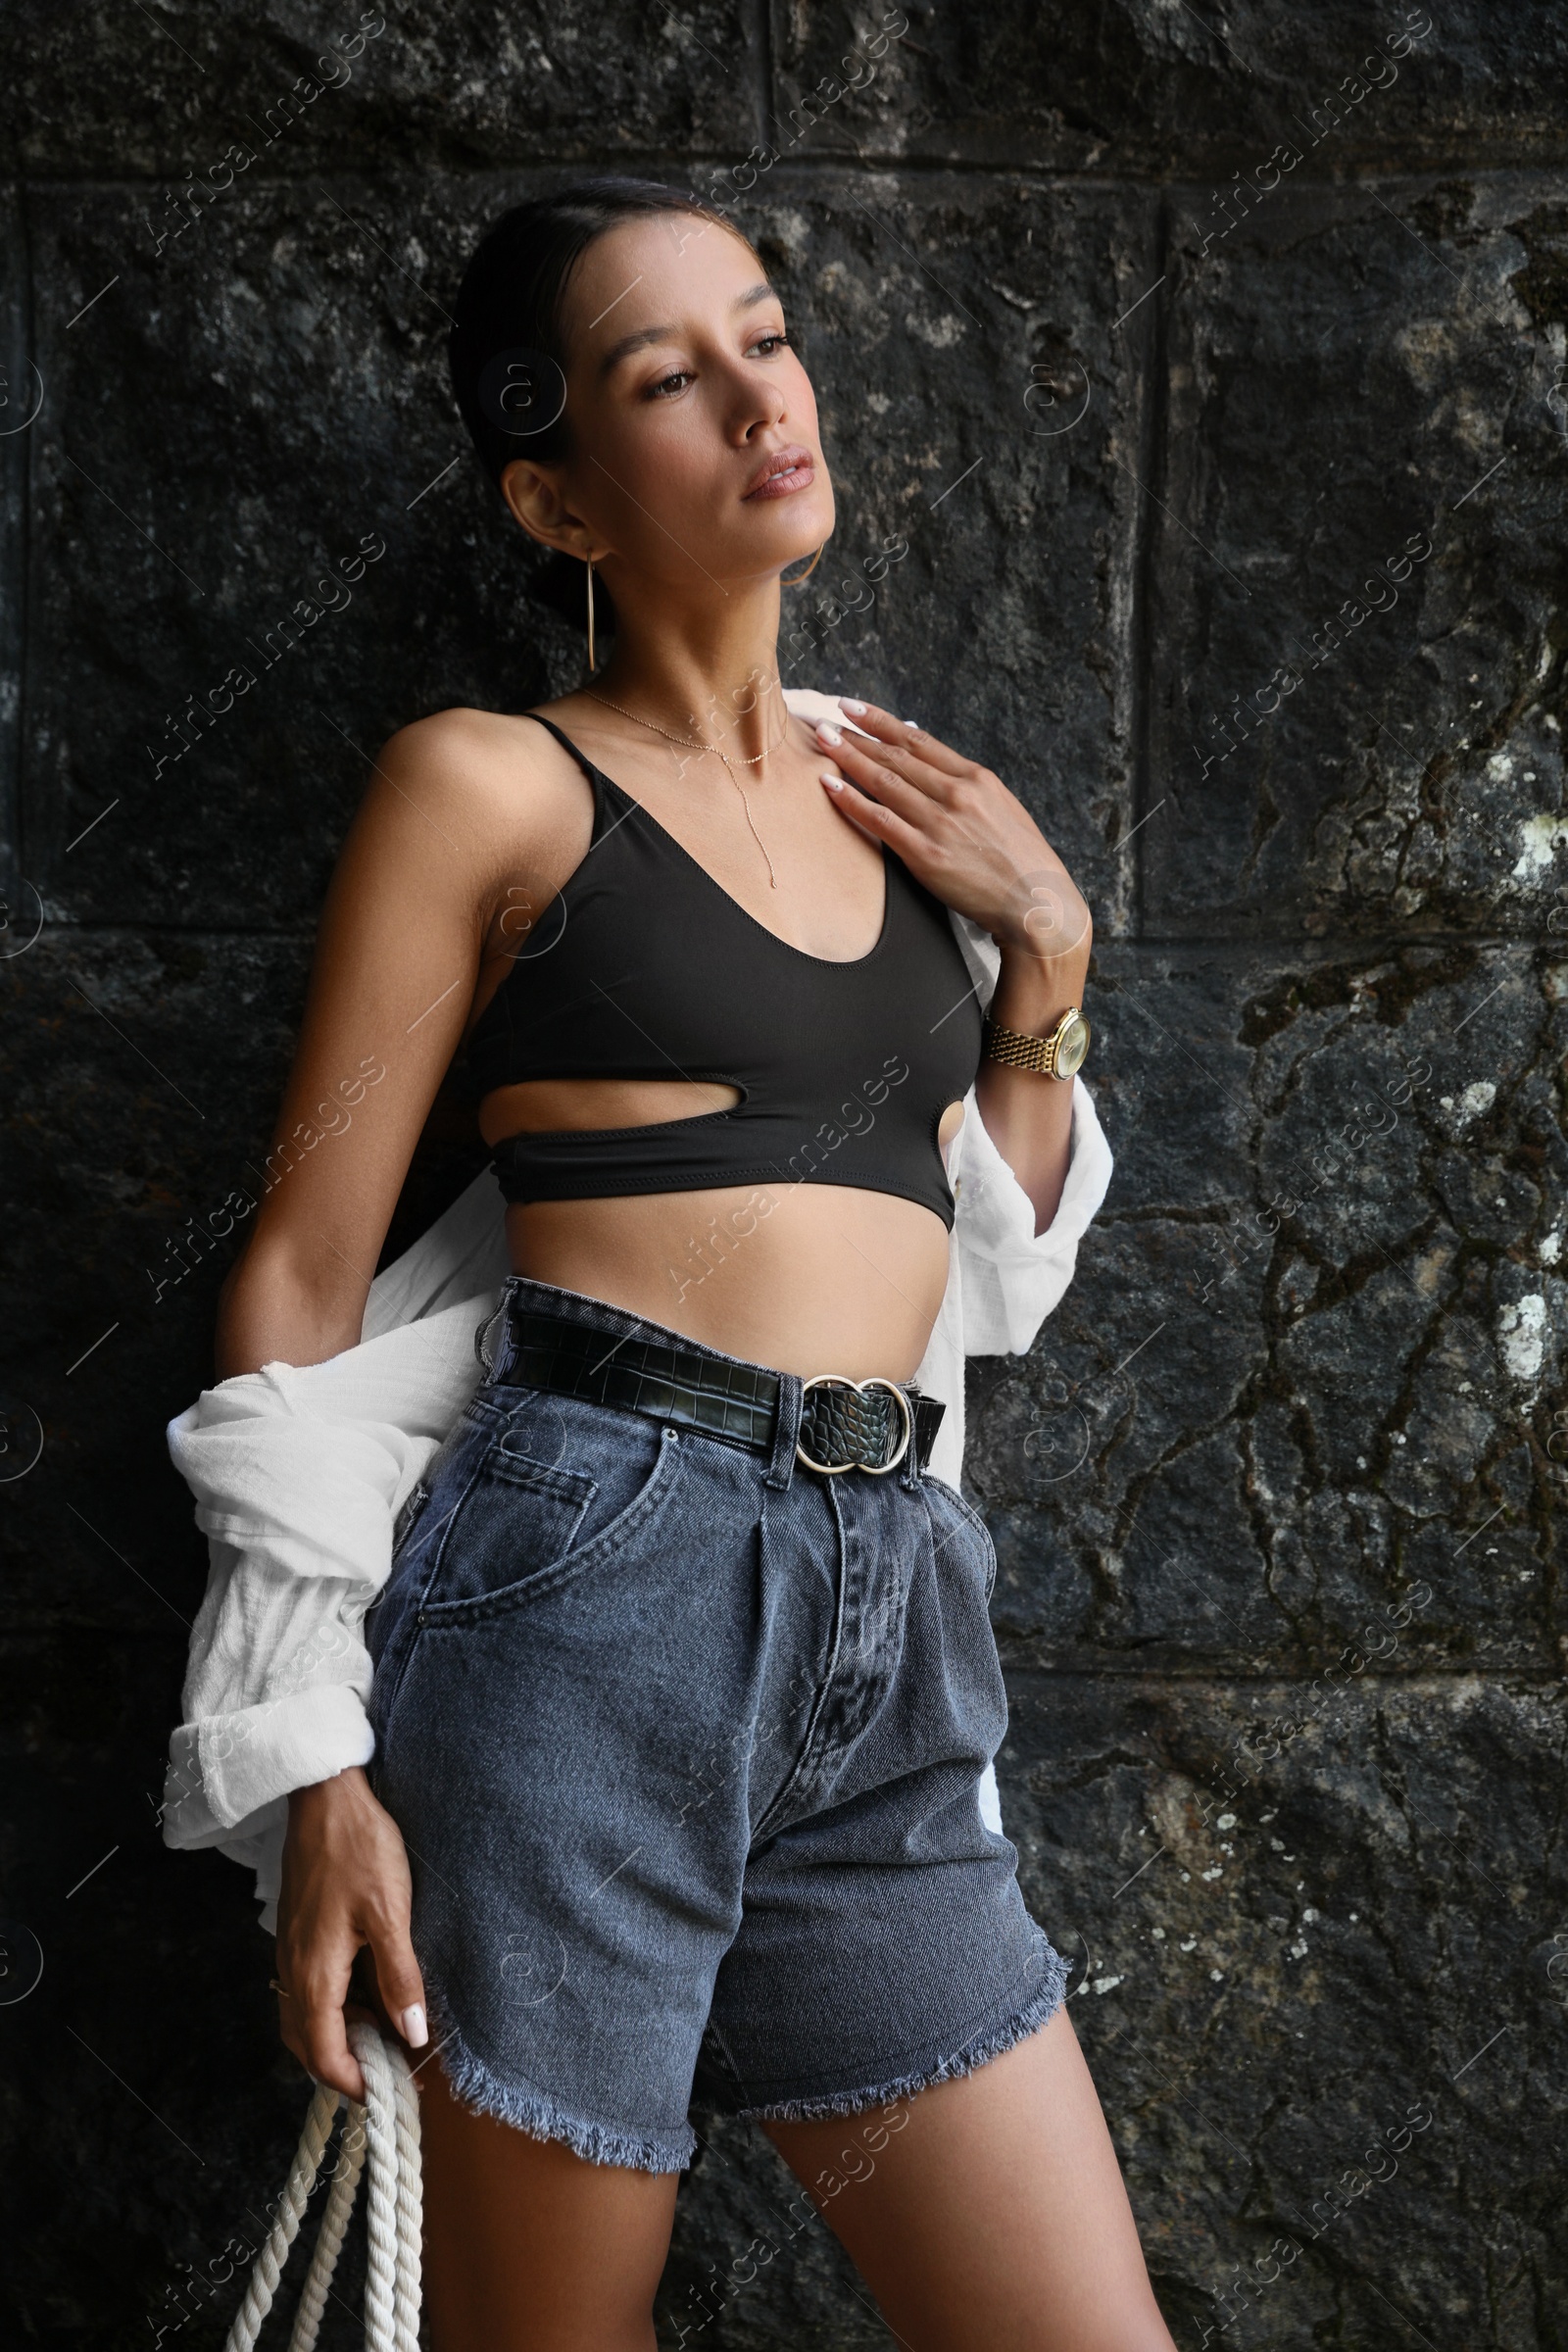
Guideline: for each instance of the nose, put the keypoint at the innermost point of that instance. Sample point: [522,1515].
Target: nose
[759,419]
[758,404]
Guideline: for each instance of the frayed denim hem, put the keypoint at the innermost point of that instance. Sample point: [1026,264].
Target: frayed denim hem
[966,2061]
[482,2090]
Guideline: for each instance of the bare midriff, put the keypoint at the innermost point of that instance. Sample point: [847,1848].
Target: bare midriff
[804,1278]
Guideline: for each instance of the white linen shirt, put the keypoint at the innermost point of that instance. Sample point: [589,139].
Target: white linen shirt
[299,1471]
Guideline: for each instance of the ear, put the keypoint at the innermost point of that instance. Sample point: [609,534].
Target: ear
[531,492]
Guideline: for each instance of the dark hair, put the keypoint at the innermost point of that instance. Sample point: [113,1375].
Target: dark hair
[505,348]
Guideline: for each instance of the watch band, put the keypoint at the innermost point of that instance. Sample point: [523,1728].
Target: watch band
[1021,1051]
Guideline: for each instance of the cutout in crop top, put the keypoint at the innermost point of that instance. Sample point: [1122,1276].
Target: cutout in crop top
[644,966]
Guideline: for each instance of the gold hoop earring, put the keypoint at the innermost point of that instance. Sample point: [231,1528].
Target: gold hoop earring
[590,616]
[803,575]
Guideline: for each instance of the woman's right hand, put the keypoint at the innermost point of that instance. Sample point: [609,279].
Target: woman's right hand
[346,1884]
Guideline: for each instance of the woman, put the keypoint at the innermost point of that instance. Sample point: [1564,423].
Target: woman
[684,1681]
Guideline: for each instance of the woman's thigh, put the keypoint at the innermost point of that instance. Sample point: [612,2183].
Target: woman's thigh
[528,2247]
[987,2214]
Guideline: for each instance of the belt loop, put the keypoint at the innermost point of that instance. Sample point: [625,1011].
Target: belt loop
[786,1431]
[929,1413]
[910,1467]
[481,1342]
[491,1363]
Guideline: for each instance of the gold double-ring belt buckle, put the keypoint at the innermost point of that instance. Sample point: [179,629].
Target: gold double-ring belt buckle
[841,1380]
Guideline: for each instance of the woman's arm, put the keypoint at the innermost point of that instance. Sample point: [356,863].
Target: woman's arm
[1029,1116]
[396,954]
[397,958]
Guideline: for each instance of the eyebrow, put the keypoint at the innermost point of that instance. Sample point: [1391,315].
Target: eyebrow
[645,335]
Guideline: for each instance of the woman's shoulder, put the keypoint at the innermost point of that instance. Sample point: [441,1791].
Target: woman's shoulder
[464,740]
[478,766]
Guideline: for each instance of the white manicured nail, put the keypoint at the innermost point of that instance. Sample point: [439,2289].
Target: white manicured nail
[828,733]
[845,703]
[833,783]
[415,2033]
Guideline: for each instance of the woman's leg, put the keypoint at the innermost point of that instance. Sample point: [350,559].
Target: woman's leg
[527,2247]
[987,2214]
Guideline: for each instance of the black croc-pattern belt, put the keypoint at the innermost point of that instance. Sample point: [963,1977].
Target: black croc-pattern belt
[845,1423]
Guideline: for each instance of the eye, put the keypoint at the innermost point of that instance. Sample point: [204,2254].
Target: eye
[774,340]
[663,390]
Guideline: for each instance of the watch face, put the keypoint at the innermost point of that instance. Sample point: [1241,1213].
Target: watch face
[1072,1047]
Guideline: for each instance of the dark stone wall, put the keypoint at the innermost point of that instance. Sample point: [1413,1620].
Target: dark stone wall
[1237,546]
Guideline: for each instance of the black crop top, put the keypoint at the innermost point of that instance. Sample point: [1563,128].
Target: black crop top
[644,966]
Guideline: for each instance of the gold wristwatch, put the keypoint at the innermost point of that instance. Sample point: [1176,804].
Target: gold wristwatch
[1059,1056]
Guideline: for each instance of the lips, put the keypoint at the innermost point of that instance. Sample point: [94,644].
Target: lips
[786,470]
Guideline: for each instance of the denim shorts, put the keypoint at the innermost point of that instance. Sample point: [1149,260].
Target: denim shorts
[685,1743]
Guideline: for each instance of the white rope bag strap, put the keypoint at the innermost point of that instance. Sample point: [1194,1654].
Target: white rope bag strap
[387,2129]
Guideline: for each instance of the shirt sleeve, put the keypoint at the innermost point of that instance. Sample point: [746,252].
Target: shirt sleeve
[1009,1276]
[298,1475]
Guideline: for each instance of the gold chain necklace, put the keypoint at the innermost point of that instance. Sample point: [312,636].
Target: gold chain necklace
[691,743]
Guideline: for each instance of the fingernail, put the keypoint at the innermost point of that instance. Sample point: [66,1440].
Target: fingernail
[828,733]
[912,724]
[833,783]
[415,2033]
[846,705]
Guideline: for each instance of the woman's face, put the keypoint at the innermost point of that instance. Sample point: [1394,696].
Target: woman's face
[682,394]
